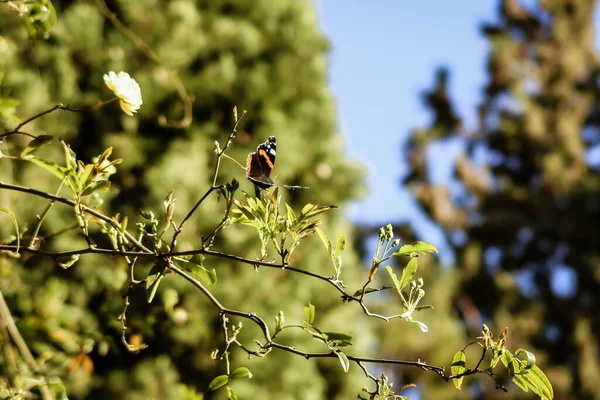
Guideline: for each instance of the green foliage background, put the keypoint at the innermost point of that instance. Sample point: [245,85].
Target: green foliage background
[268,58]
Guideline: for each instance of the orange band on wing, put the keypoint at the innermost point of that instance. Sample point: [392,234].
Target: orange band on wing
[249,163]
[264,154]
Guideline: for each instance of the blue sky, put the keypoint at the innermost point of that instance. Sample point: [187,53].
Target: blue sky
[385,54]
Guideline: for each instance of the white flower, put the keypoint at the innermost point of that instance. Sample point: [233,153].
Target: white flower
[126,89]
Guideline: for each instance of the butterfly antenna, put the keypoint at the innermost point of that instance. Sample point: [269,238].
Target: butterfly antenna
[234,160]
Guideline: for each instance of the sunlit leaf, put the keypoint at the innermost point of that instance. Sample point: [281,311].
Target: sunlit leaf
[416,247]
[530,362]
[309,312]
[98,186]
[340,245]
[343,360]
[157,273]
[241,372]
[340,339]
[422,326]
[67,262]
[394,277]
[36,144]
[325,240]
[195,267]
[425,307]
[49,166]
[458,367]
[218,382]
[231,394]
[408,272]
[372,290]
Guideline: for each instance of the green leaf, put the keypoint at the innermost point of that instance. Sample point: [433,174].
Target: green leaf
[540,383]
[422,326]
[527,378]
[15,224]
[70,157]
[68,261]
[425,307]
[36,144]
[311,210]
[530,362]
[195,267]
[340,245]
[157,273]
[339,336]
[416,247]
[241,372]
[394,277]
[343,360]
[309,312]
[408,272]
[84,176]
[218,382]
[325,240]
[98,186]
[291,215]
[231,394]
[372,290]
[338,339]
[49,166]
[459,363]
[279,321]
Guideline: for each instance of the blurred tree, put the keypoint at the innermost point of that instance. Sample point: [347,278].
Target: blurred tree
[522,209]
[194,61]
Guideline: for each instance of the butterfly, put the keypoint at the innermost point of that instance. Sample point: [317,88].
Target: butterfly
[260,164]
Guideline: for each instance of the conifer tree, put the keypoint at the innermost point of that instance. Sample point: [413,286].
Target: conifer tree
[522,208]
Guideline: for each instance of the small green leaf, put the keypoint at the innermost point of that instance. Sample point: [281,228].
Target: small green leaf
[68,261]
[408,272]
[422,326]
[311,210]
[231,394]
[70,157]
[49,166]
[325,240]
[458,367]
[338,339]
[84,177]
[98,186]
[343,360]
[218,382]
[194,265]
[241,372]
[394,277]
[340,245]
[36,144]
[530,362]
[157,273]
[309,312]
[371,290]
[416,247]
[279,321]
[425,307]
[339,336]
